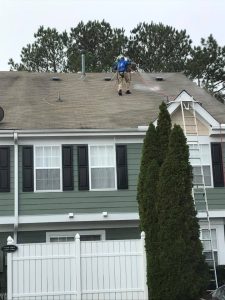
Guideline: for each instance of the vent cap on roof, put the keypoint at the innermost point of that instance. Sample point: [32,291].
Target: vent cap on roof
[158,78]
[56,78]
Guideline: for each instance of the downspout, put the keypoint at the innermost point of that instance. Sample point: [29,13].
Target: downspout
[16,196]
[83,65]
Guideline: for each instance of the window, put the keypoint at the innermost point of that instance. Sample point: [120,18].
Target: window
[195,152]
[205,237]
[47,168]
[102,164]
[69,236]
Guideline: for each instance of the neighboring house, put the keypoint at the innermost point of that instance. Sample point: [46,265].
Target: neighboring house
[70,152]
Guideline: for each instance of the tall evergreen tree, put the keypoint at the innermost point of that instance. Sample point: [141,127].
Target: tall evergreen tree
[182,272]
[163,132]
[159,48]
[149,221]
[46,54]
[100,42]
[206,65]
[149,153]
[153,153]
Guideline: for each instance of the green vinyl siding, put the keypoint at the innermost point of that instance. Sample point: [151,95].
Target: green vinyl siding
[24,237]
[7,199]
[33,203]
[111,234]
[123,233]
[216,198]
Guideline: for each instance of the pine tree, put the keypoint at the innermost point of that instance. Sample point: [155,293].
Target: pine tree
[163,132]
[46,54]
[159,48]
[153,153]
[149,152]
[150,222]
[182,272]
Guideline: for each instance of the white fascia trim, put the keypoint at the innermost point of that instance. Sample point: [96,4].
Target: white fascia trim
[6,220]
[95,217]
[202,112]
[218,130]
[76,132]
[64,218]
[212,214]
[206,115]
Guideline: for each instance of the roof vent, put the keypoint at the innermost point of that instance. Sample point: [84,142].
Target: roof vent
[159,78]
[59,99]
[107,78]
[56,78]
[1,114]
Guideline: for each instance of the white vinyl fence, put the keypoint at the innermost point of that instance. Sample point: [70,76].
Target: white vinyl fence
[99,270]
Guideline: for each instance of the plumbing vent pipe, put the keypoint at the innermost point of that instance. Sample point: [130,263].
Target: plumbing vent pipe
[83,63]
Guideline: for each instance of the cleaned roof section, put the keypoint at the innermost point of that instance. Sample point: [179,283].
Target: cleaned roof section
[31,100]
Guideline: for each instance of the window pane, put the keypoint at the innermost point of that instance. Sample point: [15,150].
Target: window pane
[55,163]
[90,238]
[208,257]
[205,152]
[47,161]
[39,162]
[54,239]
[47,157]
[47,179]
[55,151]
[197,175]
[207,175]
[62,239]
[39,151]
[197,151]
[39,157]
[102,178]
[102,156]
[205,235]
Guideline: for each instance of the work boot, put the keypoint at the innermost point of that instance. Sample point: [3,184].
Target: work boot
[128,92]
[120,93]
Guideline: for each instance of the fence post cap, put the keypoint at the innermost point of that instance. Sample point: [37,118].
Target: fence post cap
[10,240]
[142,234]
[77,236]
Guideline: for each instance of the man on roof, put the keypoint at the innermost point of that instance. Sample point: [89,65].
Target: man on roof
[123,68]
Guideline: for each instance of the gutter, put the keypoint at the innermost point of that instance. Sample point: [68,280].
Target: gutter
[16,196]
[138,131]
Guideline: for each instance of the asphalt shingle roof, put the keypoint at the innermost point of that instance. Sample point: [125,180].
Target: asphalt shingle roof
[30,100]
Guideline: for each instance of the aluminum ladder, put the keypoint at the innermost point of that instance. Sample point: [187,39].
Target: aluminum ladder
[199,194]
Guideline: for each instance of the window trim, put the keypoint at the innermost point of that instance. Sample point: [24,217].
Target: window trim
[201,237]
[204,142]
[52,234]
[89,167]
[60,168]
[215,250]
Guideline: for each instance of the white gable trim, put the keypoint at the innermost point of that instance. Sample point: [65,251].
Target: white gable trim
[200,111]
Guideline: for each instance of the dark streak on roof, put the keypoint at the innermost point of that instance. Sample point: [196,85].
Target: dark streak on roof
[30,101]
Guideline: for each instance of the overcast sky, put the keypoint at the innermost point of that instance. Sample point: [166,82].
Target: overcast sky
[20,19]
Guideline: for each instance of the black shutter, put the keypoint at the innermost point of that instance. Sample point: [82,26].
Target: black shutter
[121,164]
[28,169]
[4,169]
[217,164]
[83,178]
[67,165]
